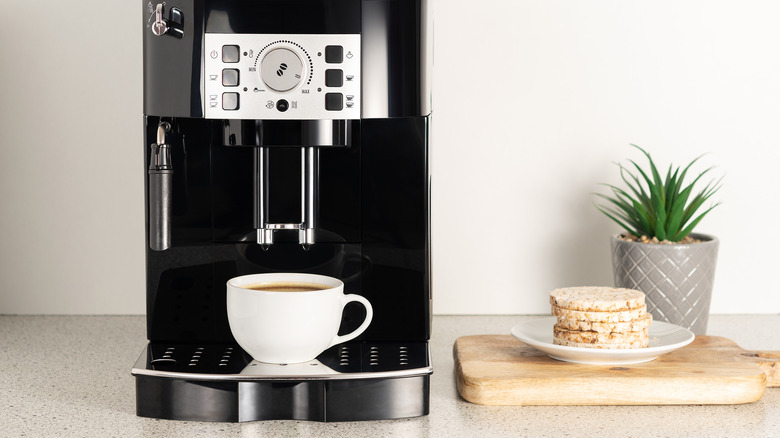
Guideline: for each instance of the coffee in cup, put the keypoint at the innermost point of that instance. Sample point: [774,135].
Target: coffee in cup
[289,317]
[286,286]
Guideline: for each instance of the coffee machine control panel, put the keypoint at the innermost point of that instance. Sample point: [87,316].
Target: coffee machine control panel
[299,77]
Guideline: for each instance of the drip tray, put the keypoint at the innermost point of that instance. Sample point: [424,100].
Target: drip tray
[228,362]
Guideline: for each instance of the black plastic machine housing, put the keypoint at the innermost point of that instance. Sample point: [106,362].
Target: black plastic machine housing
[373,214]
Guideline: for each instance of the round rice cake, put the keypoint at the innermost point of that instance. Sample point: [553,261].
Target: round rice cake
[586,337]
[606,327]
[597,298]
[644,343]
[617,316]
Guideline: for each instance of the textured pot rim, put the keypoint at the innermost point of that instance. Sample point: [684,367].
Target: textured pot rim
[706,238]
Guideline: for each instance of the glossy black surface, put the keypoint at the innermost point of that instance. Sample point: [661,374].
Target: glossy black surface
[373,231]
[179,399]
[372,225]
[395,57]
[395,37]
[274,133]
[337,400]
[283,16]
[186,394]
[173,80]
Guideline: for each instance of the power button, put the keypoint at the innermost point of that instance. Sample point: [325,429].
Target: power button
[282,105]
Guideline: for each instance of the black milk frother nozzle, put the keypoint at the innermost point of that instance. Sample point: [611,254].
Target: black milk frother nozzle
[160,191]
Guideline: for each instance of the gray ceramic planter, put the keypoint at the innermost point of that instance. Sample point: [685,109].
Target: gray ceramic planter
[677,279]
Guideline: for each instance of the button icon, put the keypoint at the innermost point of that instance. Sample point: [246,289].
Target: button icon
[294,104]
[213,104]
[281,69]
[350,77]
[269,104]
[213,96]
[350,97]
[214,54]
[213,77]
[349,55]
[350,104]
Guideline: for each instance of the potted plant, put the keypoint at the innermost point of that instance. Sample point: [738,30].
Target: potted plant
[658,253]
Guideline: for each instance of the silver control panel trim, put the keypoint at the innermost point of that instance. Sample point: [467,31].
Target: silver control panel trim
[255,97]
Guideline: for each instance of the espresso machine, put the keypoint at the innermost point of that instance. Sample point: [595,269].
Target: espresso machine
[286,136]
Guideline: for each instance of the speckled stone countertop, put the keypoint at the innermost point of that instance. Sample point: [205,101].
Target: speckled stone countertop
[70,376]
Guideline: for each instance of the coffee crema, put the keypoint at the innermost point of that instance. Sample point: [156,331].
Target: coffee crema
[286,286]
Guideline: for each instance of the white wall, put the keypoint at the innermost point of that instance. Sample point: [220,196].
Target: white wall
[533,102]
[71,169]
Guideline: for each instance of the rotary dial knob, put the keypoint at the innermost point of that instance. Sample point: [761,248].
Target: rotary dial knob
[281,69]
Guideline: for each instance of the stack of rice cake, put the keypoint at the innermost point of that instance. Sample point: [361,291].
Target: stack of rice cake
[600,317]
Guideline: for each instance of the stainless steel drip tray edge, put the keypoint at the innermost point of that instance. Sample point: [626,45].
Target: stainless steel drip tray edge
[257,371]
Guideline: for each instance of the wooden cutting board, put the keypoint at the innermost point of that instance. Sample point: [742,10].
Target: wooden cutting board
[500,370]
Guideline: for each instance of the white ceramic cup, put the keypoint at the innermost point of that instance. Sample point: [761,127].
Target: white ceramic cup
[289,327]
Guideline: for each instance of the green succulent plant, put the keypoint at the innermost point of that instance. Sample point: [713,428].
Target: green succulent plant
[661,208]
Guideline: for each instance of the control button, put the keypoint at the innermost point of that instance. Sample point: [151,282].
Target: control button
[230,77]
[281,70]
[230,101]
[229,53]
[282,105]
[334,101]
[334,78]
[334,54]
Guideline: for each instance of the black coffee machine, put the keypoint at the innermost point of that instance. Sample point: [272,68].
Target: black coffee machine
[286,136]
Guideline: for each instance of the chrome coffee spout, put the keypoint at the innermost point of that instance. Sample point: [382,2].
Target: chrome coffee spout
[265,236]
[309,195]
[309,198]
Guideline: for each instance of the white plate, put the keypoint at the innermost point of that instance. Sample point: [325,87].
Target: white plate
[664,337]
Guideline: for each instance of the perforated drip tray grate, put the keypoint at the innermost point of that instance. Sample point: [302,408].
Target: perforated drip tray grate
[356,360]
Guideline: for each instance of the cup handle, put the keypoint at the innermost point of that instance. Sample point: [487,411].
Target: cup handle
[369,315]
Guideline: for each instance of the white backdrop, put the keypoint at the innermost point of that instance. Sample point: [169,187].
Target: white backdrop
[533,102]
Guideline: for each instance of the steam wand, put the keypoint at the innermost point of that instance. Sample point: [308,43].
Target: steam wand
[160,191]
